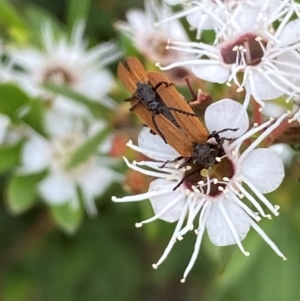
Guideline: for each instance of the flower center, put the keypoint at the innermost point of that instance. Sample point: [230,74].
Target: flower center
[58,75]
[210,180]
[247,49]
[62,151]
[158,45]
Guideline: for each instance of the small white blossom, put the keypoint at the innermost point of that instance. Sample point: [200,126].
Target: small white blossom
[67,62]
[268,59]
[151,40]
[211,14]
[92,176]
[216,195]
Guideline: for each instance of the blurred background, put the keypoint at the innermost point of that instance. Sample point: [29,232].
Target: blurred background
[107,258]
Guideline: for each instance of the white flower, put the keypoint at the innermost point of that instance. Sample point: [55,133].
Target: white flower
[151,40]
[216,194]
[92,176]
[210,14]
[268,58]
[67,62]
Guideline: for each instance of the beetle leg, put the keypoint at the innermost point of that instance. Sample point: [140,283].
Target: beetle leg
[162,83]
[187,176]
[171,161]
[157,129]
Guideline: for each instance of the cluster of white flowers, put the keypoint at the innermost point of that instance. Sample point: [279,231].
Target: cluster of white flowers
[151,40]
[248,49]
[68,124]
[254,48]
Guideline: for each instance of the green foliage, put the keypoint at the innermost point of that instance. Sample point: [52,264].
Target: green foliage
[12,100]
[67,217]
[35,115]
[77,10]
[9,156]
[261,269]
[22,193]
[128,46]
[38,18]
[96,108]
[13,22]
[86,149]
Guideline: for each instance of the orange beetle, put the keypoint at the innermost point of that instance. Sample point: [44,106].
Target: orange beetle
[156,101]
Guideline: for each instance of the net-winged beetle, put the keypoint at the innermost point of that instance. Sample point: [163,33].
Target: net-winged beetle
[150,91]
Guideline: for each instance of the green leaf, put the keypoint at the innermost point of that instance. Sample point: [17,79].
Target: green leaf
[21,192]
[35,117]
[9,17]
[128,46]
[12,99]
[9,156]
[77,10]
[38,18]
[225,254]
[88,148]
[96,108]
[66,217]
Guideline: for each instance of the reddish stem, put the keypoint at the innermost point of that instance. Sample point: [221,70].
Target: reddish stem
[285,125]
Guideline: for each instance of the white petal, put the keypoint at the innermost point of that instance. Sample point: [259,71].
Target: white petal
[246,23]
[151,142]
[272,109]
[264,169]
[61,118]
[262,88]
[218,229]
[284,151]
[4,122]
[160,202]
[292,59]
[36,155]
[96,127]
[57,189]
[173,2]
[196,18]
[95,85]
[96,179]
[290,33]
[213,73]
[137,19]
[224,114]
